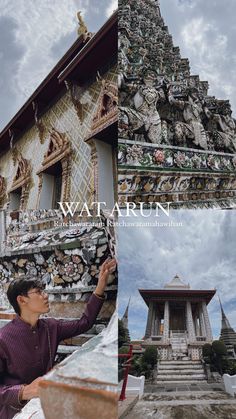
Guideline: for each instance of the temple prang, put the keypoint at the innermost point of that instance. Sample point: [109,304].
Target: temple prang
[176,142]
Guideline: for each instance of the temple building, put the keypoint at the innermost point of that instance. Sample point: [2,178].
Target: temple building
[177,143]
[227,334]
[61,145]
[178,321]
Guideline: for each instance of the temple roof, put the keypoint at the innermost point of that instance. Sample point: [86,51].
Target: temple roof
[80,63]
[176,283]
[163,295]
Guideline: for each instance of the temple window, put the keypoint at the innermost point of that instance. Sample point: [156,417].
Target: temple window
[20,187]
[102,140]
[54,175]
[15,198]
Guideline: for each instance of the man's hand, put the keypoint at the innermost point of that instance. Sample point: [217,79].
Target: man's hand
[32,390]
[108,267]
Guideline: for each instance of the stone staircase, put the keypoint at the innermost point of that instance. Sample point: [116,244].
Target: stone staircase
[183,371]
[179,346]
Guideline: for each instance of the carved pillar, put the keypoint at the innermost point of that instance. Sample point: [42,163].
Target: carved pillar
[94,179]
[2,191]
[207,322]
[149,320]
[66,178]
[190,324]
[2,230]
[24,196]
[166,322]
[39,189]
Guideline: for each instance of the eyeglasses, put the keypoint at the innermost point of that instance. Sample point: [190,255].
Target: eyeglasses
[39,292]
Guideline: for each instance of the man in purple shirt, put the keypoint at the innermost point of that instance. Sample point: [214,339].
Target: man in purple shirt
[28,345]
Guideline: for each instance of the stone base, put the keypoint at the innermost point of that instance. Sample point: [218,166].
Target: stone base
[79,402]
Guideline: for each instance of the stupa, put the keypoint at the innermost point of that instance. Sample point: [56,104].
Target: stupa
[177,143]
[227,334]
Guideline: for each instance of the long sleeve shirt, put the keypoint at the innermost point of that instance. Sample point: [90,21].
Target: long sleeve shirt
[27,352]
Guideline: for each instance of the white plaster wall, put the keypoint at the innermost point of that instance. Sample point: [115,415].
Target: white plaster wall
[105,174]
[47,191]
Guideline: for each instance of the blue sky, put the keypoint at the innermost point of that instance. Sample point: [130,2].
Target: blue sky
[201,252]
[34,35]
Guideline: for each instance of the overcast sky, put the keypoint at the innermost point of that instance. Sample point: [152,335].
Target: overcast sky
[34,35]
[205,31]
[201,251]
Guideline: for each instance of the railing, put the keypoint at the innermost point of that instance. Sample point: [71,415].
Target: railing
[127,366]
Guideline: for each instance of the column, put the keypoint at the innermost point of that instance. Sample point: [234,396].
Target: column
[166,322]
[196,327]
[201,321]
[155,321]
[190,324]
[207,322]
[148,331]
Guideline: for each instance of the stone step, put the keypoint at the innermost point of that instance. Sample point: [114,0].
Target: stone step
[186,362]
[180,382]
[179,377]
[181,371]
[179,367]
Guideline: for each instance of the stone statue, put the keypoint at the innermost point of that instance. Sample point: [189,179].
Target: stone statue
[82,30]
[192,127]
[144,117]
[224,129]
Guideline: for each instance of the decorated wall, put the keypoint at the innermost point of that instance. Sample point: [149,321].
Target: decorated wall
[66,258]
[59,136]
[176,143]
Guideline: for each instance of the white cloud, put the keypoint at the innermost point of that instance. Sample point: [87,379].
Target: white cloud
[39,28]
[33,37]
[111,8]
[205,32]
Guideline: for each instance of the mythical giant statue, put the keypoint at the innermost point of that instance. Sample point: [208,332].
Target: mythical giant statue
[192,129]
[222,129]
[143,117]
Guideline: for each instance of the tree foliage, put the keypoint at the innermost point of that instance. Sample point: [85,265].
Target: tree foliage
[123,336]
[150,356]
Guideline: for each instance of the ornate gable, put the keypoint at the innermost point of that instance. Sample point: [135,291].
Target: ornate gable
[107,112]
[23,171]
[59,148]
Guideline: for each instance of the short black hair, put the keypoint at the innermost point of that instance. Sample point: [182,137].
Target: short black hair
[21,286]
